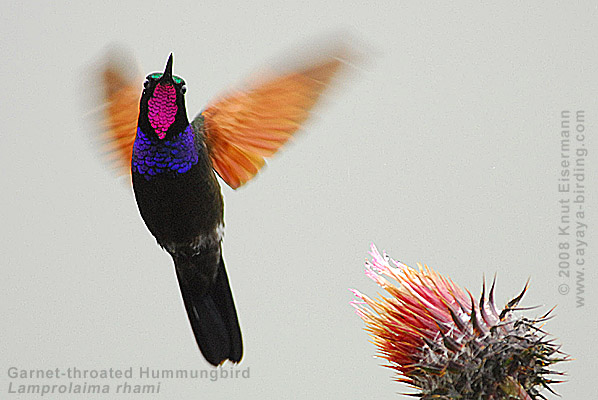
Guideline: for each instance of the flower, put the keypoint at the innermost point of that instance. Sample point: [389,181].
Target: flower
[446,345]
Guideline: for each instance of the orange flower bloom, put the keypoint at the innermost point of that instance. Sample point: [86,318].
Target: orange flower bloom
[448,346]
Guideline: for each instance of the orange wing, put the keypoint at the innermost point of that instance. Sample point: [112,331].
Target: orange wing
[121,111]
[243,128]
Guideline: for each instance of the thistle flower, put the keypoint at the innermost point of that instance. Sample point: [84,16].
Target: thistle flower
[446,345]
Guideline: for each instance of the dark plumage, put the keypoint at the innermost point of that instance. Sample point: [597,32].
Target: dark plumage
[173,163]
[184,211]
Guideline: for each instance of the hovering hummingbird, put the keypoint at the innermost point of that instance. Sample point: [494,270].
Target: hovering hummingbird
[174,162]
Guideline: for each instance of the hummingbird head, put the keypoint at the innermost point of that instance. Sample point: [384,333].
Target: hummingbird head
[162,110]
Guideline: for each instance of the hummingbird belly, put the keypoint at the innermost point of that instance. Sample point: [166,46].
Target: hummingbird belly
[182,211]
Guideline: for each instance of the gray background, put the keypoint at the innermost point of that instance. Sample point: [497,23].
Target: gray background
[443,148]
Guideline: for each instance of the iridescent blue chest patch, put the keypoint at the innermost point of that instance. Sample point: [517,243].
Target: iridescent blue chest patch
[174,155]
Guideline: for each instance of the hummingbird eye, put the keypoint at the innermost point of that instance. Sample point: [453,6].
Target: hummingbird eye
[184,89]
[146,84]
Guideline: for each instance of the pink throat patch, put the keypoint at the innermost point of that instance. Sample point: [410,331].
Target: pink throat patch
[162,109]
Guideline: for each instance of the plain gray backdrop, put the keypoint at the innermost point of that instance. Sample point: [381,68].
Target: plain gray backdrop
[442,148]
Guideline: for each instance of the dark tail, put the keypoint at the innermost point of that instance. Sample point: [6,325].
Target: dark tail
[210,307]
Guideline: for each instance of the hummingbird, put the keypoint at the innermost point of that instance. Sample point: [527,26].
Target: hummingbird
[173,163]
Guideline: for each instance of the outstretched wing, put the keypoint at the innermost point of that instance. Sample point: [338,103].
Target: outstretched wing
[121,95]
[244,127]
